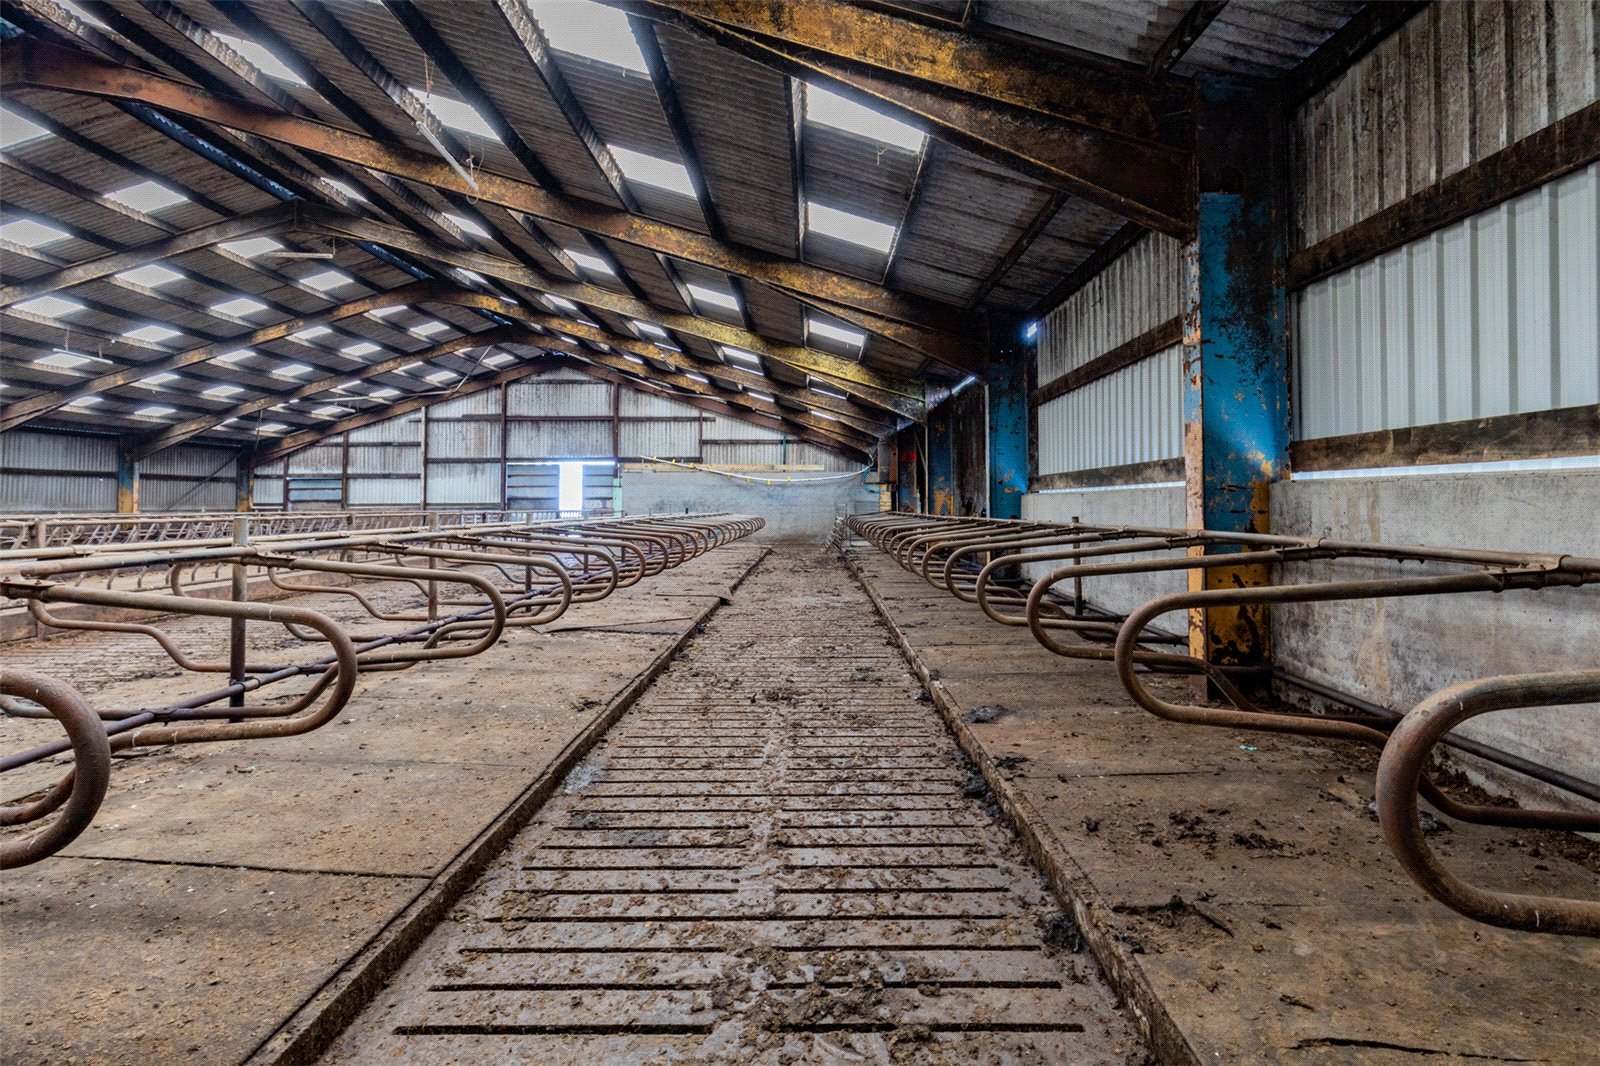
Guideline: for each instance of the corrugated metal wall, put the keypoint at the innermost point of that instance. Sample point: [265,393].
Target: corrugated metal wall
[1136,292]
[54,472]
[1458,83]
[1496,314]
[1131,416]
[561,415]
[188,478]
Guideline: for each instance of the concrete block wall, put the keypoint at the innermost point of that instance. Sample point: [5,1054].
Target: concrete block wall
[793,509]
[1396,651]
[1137,505]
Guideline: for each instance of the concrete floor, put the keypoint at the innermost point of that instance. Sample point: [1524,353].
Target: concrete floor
[1236,884]
[224,885]
[1236,891]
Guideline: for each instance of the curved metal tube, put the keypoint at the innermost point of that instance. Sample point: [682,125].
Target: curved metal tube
[1400,773]
[79,794]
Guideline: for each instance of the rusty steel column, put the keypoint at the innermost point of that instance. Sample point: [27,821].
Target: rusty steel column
[240,592]
[1010,352]
[941,460]
[127,482]
[244,480]
[1235,352]
[433,564]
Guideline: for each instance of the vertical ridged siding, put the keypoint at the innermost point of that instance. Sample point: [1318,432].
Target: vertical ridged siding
[1138,291]
[1132,416]
[1494,315]
[1459,82]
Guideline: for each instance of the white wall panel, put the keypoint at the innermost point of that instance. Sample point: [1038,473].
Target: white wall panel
[1497,314]
[641,438]
[372,492]
[544,397]
[1132,416]
[464,483]
[559,440]
[1138,291]
[463,440]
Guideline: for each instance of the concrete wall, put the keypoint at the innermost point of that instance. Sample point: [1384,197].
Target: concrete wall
[1394,652]
[1137,505]
[792,509]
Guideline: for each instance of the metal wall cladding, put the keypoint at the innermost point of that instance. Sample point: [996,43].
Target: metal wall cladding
[186,495]
[46,493]
[22,449]
[373,492]
[747,453]
[642,439]
[1132,416]
[464,483]
[1497,314]
[463,440]
[560,440]
[810,455]
[403,428]
[1138,291]
[1458,83]
[200,463]
[721,427]
[268,491]
[635,404]
[324,458]
[486,402]
[385,459]
[544,397]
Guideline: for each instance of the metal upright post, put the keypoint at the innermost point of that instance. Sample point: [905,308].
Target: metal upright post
[433,564]
[236,627]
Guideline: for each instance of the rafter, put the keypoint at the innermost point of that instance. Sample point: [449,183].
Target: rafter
[1118,138]
[901,395]
[24,410]
[935,330]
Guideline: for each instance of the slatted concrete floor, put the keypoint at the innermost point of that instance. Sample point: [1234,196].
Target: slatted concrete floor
[777,856]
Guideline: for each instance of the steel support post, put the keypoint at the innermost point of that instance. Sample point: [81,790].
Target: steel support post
[906,498]
[127,482]
[1007,385]
[942,460]
[1236,353]
[240,592]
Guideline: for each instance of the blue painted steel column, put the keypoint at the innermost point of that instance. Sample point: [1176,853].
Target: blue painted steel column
[127,482]
[941,460]
[1236,352]
[1007,385]
[906,496]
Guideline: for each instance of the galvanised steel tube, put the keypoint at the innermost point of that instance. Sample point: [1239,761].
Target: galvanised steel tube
[1400,774]
[79,794]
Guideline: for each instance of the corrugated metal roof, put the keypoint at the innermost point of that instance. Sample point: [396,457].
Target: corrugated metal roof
[963,227]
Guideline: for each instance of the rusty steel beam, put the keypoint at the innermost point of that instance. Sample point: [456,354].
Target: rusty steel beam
[936,330]
[103,266]
[903,396]
[721,407]
[1201,14]
[182,431]
[1100,96]
[836,428]
[869,422]
[1118,139]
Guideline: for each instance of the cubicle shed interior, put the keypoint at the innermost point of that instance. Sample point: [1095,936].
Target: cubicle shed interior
[813,531]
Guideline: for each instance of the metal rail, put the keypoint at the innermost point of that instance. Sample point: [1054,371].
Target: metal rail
[513,573]
[980,561]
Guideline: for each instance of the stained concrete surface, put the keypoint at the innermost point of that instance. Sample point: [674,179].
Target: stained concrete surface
[223,884]
[1241,875]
